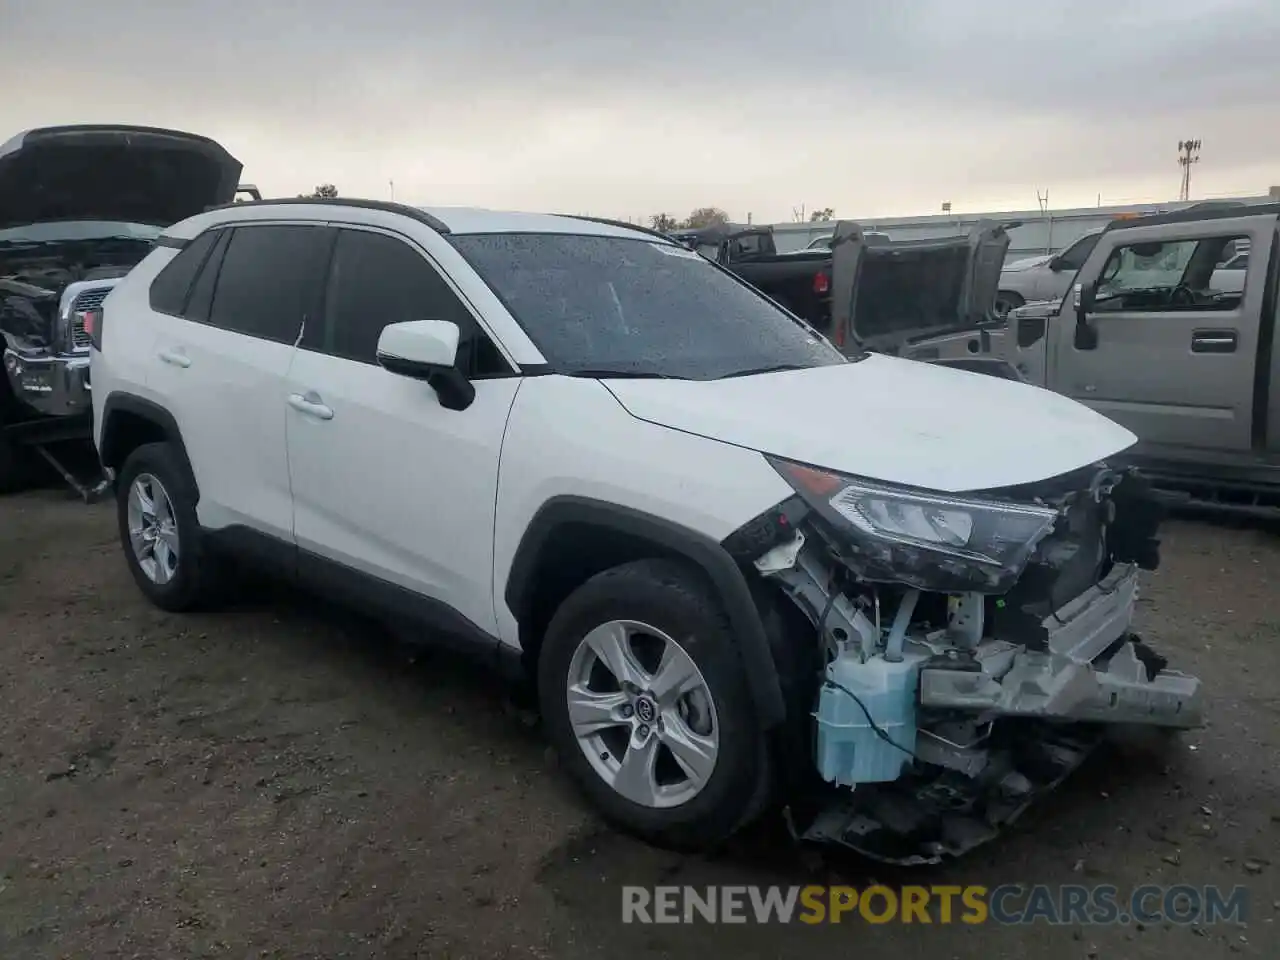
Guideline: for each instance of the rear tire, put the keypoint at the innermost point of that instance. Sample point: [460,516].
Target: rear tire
[669,615]
[163,543]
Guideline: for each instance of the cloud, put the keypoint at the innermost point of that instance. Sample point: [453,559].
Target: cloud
[874,108]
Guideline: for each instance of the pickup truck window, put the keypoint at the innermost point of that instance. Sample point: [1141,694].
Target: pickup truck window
[616,304]
[1074,256]
[1166,276]
[751,245]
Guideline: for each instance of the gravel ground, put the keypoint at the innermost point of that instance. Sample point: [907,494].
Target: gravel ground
[277,780]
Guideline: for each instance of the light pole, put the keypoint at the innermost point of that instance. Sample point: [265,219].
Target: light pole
[1188,153]
[392,184]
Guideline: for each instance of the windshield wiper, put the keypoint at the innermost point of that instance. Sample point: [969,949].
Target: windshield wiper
[63,241]
[771,368]
[606,373]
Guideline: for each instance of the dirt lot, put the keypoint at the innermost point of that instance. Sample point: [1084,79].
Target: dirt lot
[279,781]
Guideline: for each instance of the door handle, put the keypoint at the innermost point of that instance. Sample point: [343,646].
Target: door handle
[310,404]
[176,358]
[1214,341]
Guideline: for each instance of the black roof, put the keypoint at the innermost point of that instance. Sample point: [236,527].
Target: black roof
[1209,210]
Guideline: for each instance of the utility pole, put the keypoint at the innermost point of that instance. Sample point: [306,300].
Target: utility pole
[392,184]
[1188,153]
[1044,215]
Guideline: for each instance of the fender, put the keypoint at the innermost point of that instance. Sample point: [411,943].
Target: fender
[112,453]
[708,555]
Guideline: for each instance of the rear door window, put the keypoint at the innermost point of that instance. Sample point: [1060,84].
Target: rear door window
[270,279]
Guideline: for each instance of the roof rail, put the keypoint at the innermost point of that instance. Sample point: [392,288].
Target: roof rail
[386,206]
[621,223]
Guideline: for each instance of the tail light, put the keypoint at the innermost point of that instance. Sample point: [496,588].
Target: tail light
[821,282]
[92,322]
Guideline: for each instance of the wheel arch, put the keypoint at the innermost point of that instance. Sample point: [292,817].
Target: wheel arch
[570,539]
[129,421]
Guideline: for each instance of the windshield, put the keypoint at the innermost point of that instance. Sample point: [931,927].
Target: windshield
[72,231]
[596,305]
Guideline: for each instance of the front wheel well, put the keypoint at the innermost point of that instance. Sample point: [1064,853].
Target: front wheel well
[571,539]
[1010,299]
[574,554]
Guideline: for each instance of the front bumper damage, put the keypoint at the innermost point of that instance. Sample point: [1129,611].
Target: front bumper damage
[940,718]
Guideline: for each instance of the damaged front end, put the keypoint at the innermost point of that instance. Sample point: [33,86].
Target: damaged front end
[974,647]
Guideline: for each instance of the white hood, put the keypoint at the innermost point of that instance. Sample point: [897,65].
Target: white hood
[889,419]
[1026,263]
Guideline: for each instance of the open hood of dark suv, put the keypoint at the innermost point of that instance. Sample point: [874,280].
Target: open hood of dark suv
[888,293]
[109,172]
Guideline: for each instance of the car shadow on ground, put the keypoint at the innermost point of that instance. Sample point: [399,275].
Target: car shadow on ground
[1113,794]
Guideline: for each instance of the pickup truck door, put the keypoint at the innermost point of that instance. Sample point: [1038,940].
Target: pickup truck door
[1174,360]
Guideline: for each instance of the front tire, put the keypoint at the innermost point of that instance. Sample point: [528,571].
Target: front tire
[646,702]
[162,540]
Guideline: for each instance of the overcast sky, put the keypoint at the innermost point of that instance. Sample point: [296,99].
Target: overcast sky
[631,107]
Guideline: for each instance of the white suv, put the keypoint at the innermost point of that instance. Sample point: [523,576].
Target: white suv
[728,558]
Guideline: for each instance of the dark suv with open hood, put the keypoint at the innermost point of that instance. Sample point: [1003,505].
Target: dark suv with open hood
[79,206]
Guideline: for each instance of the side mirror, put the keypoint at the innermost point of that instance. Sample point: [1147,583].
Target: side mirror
[1086,336]
[427,350]
[1056,265]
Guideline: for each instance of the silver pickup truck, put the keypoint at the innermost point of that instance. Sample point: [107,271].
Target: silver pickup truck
[1167,328]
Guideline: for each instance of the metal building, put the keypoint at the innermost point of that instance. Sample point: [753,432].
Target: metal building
[1040,232]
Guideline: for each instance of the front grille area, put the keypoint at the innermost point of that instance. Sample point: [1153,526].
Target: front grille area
[89,300]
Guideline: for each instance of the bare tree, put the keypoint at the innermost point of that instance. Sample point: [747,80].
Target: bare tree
[664,222]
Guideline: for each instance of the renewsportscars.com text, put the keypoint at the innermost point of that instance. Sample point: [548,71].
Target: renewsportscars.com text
[1010,904]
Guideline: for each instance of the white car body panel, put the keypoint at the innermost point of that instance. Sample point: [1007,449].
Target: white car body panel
[569,437]
[127,366]
[394,485]
[230,406]
[884,418]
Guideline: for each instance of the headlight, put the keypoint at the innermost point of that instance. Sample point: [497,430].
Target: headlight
[933,541]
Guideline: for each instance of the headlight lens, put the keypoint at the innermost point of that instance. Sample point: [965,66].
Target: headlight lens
[971,544]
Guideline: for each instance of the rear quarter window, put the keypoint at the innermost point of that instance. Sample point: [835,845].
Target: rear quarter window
[172,284]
